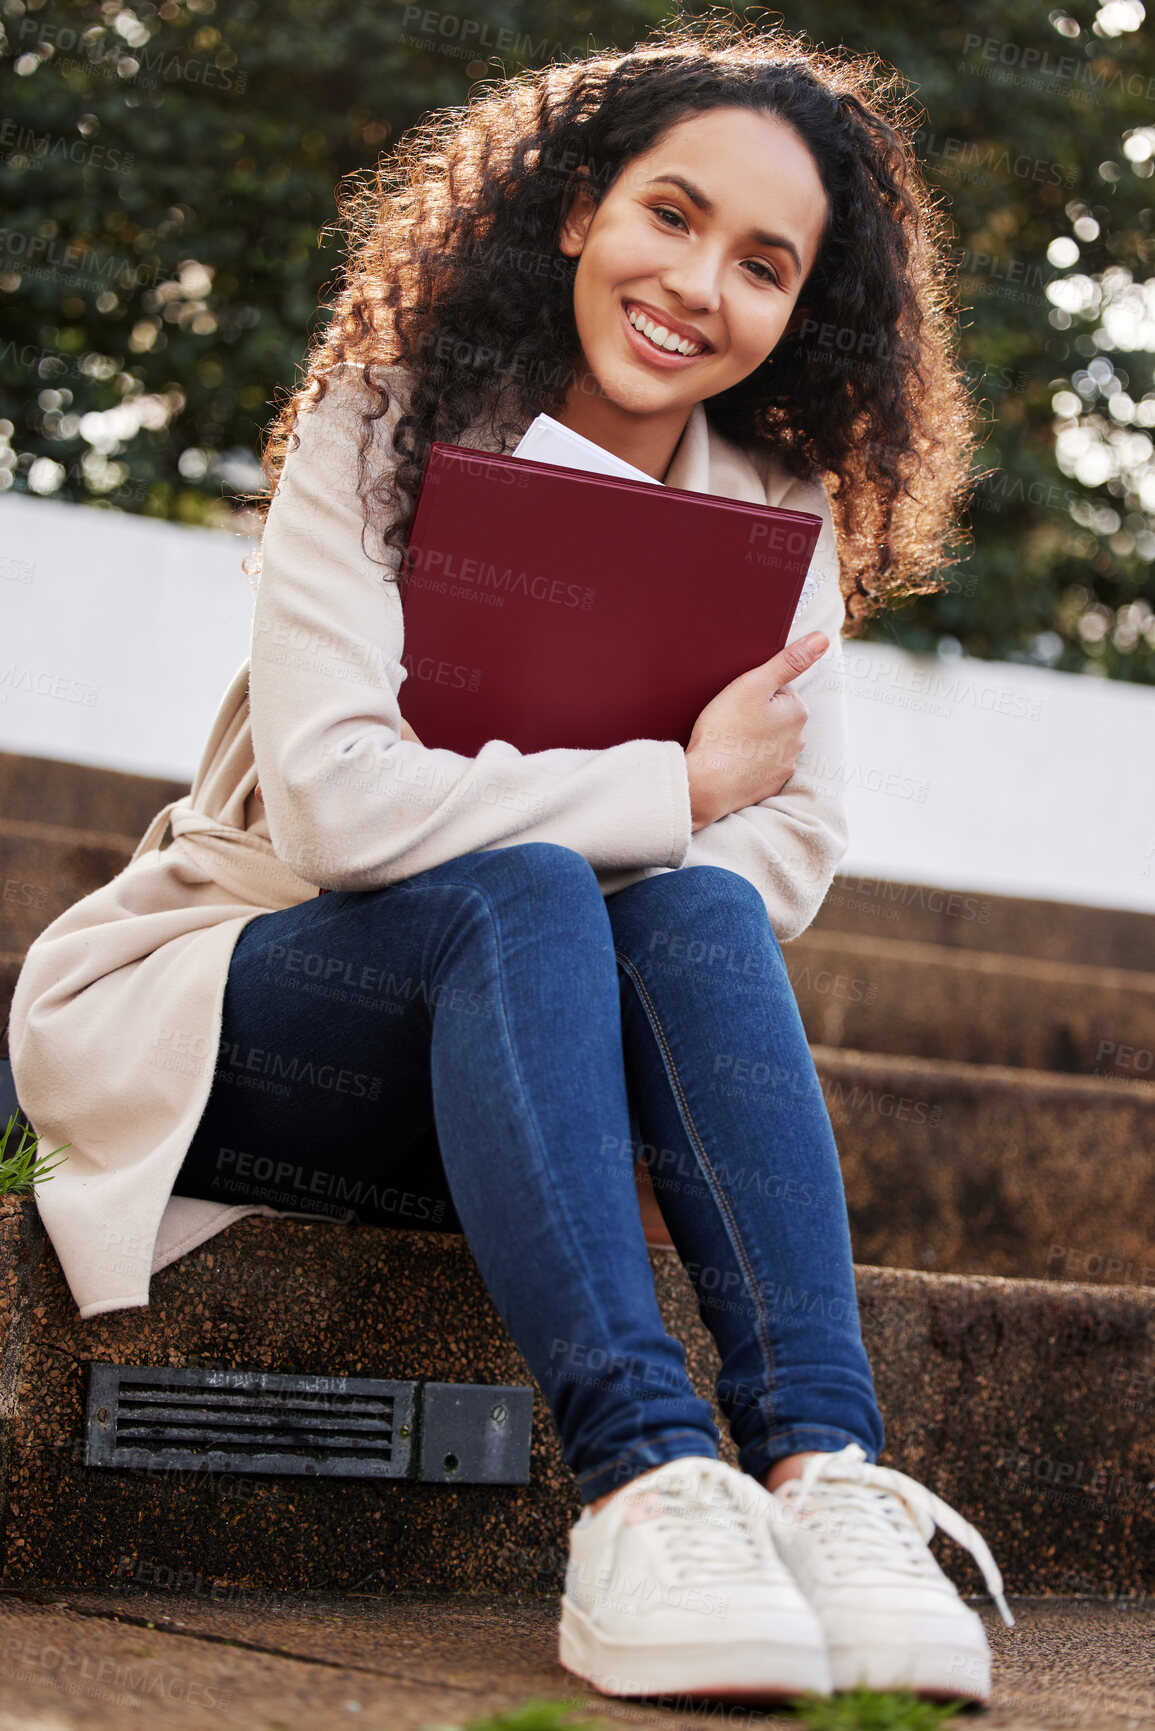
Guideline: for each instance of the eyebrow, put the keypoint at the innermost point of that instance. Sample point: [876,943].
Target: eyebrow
[698,197]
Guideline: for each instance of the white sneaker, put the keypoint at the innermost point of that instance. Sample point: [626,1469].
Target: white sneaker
[674,1588]
[854,1537]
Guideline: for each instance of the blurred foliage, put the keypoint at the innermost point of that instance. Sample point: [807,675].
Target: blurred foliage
[1026,110]
[169,173]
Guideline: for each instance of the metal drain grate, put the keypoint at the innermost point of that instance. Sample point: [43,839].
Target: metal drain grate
[248,1421]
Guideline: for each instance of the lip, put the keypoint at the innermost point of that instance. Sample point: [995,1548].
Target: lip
[668,358]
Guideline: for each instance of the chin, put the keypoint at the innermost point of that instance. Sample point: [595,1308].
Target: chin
[623,391]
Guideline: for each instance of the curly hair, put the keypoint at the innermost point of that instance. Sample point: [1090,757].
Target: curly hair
[455,275]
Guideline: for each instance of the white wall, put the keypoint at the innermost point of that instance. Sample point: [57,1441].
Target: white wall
[967,774]
[118,635]
[1011,779]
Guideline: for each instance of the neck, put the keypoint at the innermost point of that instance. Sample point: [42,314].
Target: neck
[646,441]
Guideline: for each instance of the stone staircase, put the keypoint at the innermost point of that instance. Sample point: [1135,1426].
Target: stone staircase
[987,1063]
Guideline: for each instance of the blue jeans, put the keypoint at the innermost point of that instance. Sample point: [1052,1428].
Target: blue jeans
[512,1041]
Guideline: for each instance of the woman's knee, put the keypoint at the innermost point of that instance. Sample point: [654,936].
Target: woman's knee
[542,876]
[534,863]
[701,914]
[691,893]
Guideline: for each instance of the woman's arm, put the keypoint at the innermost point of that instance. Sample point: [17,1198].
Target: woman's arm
[789,845]
[353,804]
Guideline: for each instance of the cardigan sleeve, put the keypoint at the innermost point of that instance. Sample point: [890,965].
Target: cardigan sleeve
[789,845]
[352,805]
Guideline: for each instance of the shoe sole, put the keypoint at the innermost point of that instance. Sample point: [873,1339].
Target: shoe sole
[948,1672]
[767,1671]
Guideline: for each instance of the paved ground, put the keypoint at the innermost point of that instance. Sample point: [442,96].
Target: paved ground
[271,1662]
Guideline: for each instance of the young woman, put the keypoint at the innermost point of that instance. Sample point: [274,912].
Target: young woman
[713,256]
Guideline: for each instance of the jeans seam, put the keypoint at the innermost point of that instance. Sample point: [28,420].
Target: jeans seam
[546,1165]
[720,1199]
[474,891]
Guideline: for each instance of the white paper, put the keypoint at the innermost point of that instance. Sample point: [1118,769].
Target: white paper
[548,441]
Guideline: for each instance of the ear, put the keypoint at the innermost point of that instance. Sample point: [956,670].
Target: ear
[578,206]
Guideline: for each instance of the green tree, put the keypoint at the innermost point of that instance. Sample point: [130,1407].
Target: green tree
[170,173]
[1038,129]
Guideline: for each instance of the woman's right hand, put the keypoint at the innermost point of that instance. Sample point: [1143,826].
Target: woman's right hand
[747,740]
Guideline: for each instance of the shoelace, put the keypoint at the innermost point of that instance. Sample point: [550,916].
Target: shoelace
[703,1522]
[876,1526]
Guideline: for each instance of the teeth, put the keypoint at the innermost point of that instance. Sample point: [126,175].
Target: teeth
[661,337]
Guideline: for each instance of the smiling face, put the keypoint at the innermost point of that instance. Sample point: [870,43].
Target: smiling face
[705,240]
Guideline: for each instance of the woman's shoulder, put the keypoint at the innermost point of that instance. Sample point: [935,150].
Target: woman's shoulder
[363,380]
[338,412]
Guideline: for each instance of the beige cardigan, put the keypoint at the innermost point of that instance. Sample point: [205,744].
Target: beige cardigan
[116,1015]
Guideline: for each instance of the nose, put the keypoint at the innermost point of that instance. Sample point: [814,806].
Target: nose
[696,279]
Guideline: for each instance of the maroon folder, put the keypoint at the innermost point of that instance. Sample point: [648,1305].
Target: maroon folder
[550,607]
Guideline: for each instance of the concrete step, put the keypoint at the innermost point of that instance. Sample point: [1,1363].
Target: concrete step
[209,1648]
[77,796]
[1028,1405]
[117,805]
[65,829]
[883,994]
[970,1168]
[45,868]
[986,1169]
[1007,925]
